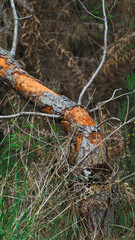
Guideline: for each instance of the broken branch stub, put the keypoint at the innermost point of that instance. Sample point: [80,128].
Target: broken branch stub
[73,118]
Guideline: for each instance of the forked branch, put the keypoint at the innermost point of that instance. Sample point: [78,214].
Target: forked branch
[113,97]
[103,57]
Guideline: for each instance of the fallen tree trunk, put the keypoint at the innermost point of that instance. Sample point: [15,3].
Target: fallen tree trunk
[88,159]
[73,118]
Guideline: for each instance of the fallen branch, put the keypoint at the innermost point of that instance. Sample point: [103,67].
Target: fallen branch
[90,151]
[72,118]
[29,114]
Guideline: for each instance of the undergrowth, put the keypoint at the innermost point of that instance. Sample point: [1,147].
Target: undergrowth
[35,197]
[125,211]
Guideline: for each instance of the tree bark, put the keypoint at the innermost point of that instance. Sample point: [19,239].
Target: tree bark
[73,118]
[87,160]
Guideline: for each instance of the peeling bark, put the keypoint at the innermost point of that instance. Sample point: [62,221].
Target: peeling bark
[75,120]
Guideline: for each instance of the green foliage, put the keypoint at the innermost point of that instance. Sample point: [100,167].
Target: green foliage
[128,132]
[130,82]
[125,211]
[127,164]
[85,18]
[125,218]
[26,188]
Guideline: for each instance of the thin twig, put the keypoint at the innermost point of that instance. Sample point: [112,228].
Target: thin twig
[90,12]
[114,98]
[132,174]
[108,119]
[28,114]
[3,29]
[113,6]
[127,109]
[111,99]
[15,35]
[121,226]
[116,90]
[103,57]
[27,17]
[62,150]
[38,139]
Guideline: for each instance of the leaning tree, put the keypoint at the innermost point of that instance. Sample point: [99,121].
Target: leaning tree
[88,158]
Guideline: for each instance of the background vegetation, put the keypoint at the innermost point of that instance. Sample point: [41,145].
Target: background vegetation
[62,45]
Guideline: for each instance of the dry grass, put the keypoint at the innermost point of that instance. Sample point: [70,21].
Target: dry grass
[61,46]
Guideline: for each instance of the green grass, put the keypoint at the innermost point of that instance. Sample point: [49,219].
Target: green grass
[125,210]
[34,199]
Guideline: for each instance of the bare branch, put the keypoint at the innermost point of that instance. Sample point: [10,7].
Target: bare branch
[132,174]
[27,17]
[15,36]
[28,114]
[103,57]
[108,119]
[113,6]
[90,12]
[111,99]
[115,92]
[3,29]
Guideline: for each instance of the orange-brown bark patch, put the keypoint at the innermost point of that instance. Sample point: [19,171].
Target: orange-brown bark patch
[95,137]
[24,83]
[81,116]
[65,125]
[4,66]
[71,158]
[27,83]
[78,142]
[47,109]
